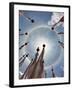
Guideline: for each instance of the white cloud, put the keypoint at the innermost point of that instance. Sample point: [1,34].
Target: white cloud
[20,73]
[55,18]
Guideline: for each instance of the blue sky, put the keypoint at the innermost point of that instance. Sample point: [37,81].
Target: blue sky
[41,19]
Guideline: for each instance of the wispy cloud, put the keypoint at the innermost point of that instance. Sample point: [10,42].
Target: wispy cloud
[55,18]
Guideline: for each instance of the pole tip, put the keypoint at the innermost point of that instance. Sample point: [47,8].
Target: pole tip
[32,21]
[27,55]
[38,49]
[26,33]
[43,45]
[52,28]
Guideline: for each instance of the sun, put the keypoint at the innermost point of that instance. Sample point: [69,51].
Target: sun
[39,43]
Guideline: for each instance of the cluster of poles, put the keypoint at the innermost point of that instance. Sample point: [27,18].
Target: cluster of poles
[22,59]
